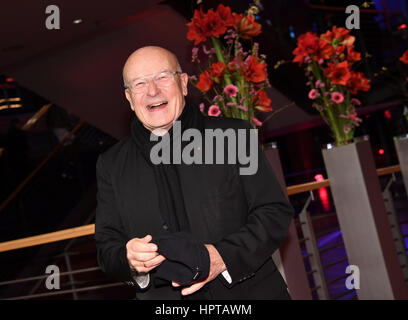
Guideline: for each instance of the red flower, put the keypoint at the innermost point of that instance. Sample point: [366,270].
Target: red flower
[338,36]
[205,83]
[323,51]
[217,69]
[210,24]
[353,56]
[262,102]
[307,43]
[246,27]
[225,15]
[197,31]
[339,73]
[255,71]
[404,57]
[232,65]
[358,82]
[215,25]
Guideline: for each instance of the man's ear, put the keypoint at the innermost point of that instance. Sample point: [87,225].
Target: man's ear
[127,94]
[184,83]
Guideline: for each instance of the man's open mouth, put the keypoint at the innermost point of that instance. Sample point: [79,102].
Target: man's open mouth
[157,106]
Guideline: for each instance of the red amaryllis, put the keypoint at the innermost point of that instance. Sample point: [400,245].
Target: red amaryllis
[255,71]
[339,73]
[309,44]
[247,28]
[306,45]
[198,28]
[205,82]
[262,102]
[358,82]
[225,15]
[404,57]
[217,69]
[353,56]
[338,36]
[323,51]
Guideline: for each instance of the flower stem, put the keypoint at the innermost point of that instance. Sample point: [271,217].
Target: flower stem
[218,52]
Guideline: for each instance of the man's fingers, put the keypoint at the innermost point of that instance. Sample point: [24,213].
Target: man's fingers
[140,245]
[175,284]
[155,261]
[193,288]
[147,238]
[143,256]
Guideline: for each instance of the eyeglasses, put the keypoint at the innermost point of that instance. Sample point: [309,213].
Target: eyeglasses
[161,79]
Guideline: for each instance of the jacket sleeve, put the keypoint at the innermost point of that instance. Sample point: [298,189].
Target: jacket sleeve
[109,232]
[269,216]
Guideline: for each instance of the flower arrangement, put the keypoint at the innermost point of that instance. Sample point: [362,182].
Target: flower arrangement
[328,60]
[234,83]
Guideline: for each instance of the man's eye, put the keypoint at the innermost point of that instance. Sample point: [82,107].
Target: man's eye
[162,77]
[140,84]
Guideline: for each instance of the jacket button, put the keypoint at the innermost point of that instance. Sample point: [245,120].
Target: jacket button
[165,227]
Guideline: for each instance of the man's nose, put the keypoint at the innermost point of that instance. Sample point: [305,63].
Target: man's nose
[152,88]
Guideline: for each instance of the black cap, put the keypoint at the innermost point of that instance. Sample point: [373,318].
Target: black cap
[187,260]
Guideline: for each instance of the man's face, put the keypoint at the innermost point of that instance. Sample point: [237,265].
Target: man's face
[170,98]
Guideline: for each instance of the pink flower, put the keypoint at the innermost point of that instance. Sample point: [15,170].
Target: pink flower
[194,55]
[354,118]
[337,97]
[201,106]
[313,94]
[319,84]
[231,90]
[214,111]
[307,59]
[242,108]
[256,122]
[356,101]
[205,50]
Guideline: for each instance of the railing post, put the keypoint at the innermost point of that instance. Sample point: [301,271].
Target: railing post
[70,276]
[396,228]
[316,266]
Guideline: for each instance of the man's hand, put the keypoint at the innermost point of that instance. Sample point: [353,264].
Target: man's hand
[217,266]
[142,255]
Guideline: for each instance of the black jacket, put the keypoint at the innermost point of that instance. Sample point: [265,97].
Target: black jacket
[246,217]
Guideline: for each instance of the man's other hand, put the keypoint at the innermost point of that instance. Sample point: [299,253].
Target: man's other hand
[217,266]
[142,255]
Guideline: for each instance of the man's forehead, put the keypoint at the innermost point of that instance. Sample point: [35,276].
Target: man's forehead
[145,65]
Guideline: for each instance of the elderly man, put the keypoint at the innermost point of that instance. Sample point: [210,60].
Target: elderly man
[149,215]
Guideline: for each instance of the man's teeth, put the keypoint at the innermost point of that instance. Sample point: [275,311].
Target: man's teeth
[157,104]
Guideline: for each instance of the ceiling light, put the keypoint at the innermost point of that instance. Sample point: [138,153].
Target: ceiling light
[77,21]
